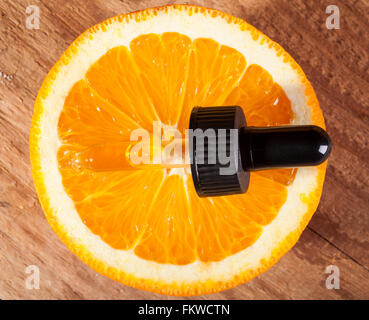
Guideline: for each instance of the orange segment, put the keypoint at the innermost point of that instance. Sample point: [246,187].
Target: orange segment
[284,176]
[163,60]
[113,205]
[170,236]
[263,101]
[118,80]
[88,119]
[213,73]
[210,222]
[262,201]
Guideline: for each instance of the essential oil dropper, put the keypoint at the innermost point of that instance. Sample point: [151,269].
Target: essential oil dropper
[246,149]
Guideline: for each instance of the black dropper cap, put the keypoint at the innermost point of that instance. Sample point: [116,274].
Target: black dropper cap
[222,158]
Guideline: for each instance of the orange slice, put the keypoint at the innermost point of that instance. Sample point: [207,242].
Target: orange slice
[147,228]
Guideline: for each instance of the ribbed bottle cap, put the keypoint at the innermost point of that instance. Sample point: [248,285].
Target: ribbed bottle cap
[216,164]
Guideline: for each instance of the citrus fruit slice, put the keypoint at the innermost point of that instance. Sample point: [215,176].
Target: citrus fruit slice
[148,228]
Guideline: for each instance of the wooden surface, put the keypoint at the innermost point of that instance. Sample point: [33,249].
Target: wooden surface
[335,61]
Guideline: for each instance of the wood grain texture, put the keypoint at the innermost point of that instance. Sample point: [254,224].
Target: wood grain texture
[335,61]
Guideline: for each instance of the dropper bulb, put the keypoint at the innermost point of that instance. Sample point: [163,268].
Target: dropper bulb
[283,147]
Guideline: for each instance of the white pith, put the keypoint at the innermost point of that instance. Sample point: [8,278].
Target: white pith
[196,26]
